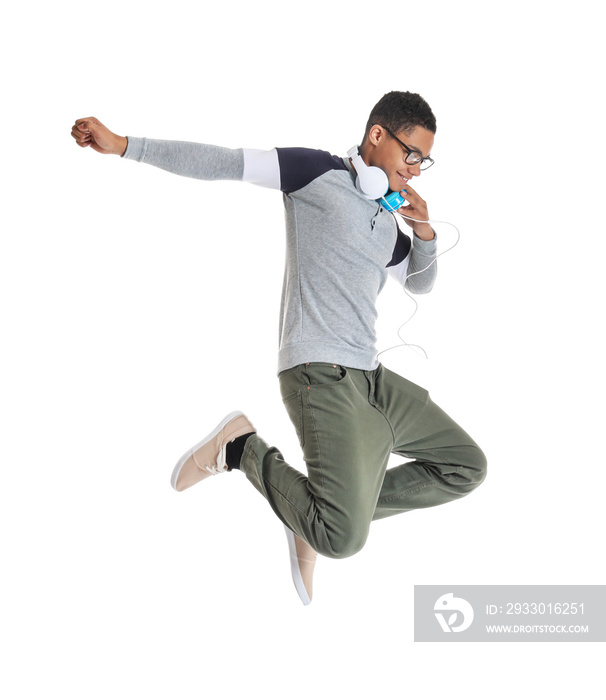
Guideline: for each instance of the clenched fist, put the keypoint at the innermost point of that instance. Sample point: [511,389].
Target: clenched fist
[90,132]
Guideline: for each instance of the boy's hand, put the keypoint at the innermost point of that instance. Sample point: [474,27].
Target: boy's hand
[90,132]
[416,209]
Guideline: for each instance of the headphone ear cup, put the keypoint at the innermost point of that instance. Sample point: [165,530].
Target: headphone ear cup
[372,181]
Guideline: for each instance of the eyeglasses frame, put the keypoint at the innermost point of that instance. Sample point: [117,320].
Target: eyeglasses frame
[410,151]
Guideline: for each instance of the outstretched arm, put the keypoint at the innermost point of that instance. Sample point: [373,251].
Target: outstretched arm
[180,157]
[285,169]
[197,160]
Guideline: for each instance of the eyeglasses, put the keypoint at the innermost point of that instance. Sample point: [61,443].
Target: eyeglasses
[413,157]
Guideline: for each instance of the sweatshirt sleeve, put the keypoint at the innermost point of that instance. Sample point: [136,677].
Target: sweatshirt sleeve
[416,271]
[422,267]
[285,169]
[196,160]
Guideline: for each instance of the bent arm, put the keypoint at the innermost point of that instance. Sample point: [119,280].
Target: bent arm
[418,270]
[422,267]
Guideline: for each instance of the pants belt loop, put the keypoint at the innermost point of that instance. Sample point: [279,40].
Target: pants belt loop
[370,377]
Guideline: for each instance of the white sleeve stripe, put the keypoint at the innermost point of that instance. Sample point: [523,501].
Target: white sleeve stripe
[262,168]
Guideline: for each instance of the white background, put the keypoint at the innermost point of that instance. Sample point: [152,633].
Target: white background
[139,307]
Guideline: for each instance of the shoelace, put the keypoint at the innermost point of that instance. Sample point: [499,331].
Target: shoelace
[213,469]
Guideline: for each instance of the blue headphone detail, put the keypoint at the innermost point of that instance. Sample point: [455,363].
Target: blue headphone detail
[392,201]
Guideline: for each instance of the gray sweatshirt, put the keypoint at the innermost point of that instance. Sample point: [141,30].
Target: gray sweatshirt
[340,244]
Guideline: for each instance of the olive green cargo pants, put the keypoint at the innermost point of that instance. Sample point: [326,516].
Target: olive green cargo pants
[348,422]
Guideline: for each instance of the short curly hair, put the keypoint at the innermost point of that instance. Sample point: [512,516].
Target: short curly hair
[401,111]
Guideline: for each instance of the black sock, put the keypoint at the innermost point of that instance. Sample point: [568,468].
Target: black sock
[234,451]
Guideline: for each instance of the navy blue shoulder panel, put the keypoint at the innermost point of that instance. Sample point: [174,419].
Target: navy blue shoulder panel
[300,166]
[401,249]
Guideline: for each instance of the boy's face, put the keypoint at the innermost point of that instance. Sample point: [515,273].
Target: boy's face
[386,153]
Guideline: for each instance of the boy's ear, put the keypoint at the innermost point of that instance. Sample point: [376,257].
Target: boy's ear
[375,135]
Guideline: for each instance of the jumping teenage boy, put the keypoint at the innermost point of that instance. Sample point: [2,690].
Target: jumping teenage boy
[350,413]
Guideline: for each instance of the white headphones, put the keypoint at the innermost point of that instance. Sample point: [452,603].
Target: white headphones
[371,181]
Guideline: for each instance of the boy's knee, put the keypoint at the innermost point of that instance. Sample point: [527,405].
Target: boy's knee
[475,468]
[480,466]
[344,545]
